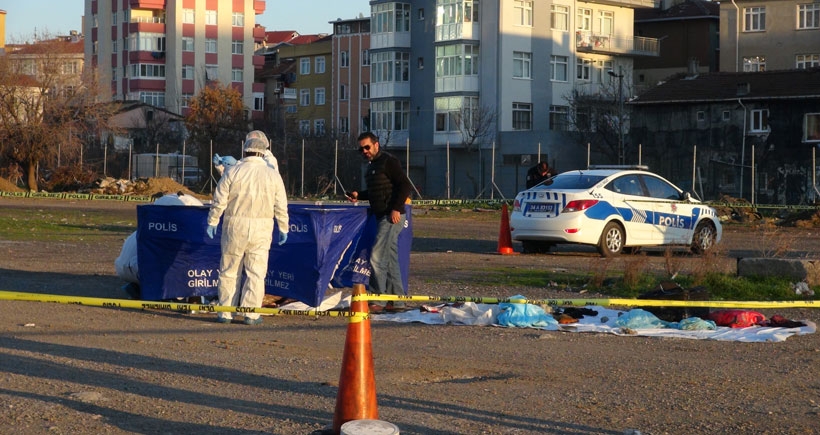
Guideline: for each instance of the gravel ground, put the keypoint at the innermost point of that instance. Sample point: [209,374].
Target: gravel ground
[70,369]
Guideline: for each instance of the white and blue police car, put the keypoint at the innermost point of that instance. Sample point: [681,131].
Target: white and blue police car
[614,208]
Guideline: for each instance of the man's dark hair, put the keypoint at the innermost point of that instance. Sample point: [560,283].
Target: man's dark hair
[368,135]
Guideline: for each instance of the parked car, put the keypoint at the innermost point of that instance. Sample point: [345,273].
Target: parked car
[615,208]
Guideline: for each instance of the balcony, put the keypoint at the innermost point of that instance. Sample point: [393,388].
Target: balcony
[147,4]
[636,46]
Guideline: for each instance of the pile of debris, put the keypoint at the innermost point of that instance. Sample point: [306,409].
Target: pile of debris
[141,186]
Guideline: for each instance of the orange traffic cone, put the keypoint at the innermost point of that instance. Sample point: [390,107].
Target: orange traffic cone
[356,399]
[504,235]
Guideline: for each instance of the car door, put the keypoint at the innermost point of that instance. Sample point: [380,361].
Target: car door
[671,217]
[630,201]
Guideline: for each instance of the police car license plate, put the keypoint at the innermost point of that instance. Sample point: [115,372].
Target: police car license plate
[541,207]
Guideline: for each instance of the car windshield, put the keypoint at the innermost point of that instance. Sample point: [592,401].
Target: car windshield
[572,180]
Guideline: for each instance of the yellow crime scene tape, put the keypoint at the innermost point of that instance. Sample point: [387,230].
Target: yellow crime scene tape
[170,306]
[600,302]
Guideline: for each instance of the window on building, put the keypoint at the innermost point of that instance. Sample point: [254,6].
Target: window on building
[304,97]
[522,65]
[210,45]
[237,75]
[343,92]
[344,59]
[365,123]
[365,91]
[185,100]
[559,17]
[471,8]
[187,43]
[559,118]
[390,115]
[146,41]
[114,47]
[153,98]
[726,115]
[456,60]
[583,19]
[420,14]
[187,72]
[188,16]
[811,127]
[319,96]
[94,21]
[71,68]
[237,47]
[238,19]
[606,21]
[522,12]
[259,101]
[806,61]
[147,70]
[420,63]
[210,17]
[448,113]
[808,16]
[602,69]
[319,127]
[211,72]
[701,116]
[522,116]
[759,121]
[754,19]
[559,67]
[320,64]
[390,17]
[754,64]
[390,66]
[365,58]
[304,66]
[344,125]
[304,127]
[114,18]
[583,69]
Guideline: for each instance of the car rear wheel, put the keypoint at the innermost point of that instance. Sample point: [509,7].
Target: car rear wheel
[612,240]
[704,237]
[536,247]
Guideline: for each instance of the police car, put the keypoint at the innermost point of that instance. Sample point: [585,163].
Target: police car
[615,208]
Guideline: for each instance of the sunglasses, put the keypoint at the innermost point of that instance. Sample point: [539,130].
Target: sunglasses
[364,148]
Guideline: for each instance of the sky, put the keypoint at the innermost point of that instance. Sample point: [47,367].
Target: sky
[58,17]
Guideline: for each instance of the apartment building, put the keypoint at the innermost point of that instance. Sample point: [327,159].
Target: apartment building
[481,90]
[760,35]
[163,53]
[351,77]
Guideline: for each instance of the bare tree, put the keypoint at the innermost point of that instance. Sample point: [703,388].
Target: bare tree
[595,119]
[476,123]
[217,116]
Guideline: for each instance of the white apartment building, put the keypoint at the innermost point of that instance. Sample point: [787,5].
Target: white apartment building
[163,52]
[477,91]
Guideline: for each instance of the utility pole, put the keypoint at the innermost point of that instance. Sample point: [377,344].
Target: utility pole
[620,77]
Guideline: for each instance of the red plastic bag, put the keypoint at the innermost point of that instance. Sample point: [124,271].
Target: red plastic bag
[737,318]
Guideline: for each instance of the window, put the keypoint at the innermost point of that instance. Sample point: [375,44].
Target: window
[583,19]
[559,118]
[258,101]
[237,75]
[156,99]
[559,65]
[114,46]
[390,66]
[210,45]
[754,64]
[471,8]
[344,125]
[456,60]
[238,19]
[147,70]
[187,43]
[522,65]
[606,20]
[188,16]
[602,68]
[145,41]
[304,127]
[806,61]
[320,65]
[365,91]
[70,68]
[522,116]
[237,47]
[583,68]
[759,121]
[210,17]
[811,127]
[726,115]
[304,97]
[185,100]
[211,72]
[420,63]
[523,12]
[420,14]
[701,116]
[808,16]
[187,71]
[448,113]
[343,94]
[365,58]
[365,123]
[304,66]
[754,19]
[559,17]
[344,59]
[390,115]
[319,127]
[390,17]
[319,96]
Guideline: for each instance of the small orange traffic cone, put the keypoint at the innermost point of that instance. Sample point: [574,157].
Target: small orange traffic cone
[504,234]
[356,399]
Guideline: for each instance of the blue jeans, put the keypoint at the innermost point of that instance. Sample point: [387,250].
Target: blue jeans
[385,276]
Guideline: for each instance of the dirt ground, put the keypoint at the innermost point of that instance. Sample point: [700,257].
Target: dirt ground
[71,369]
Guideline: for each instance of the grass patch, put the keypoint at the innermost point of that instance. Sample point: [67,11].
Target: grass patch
[60,225]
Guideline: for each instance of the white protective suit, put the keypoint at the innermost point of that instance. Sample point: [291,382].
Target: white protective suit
[251,195]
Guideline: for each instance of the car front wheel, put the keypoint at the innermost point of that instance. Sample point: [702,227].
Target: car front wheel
[612,240]
[704,237]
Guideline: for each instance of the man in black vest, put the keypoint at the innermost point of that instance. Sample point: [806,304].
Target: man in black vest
[388,189]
